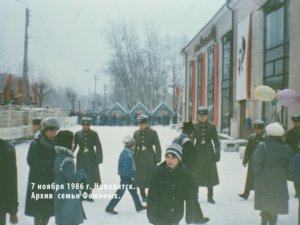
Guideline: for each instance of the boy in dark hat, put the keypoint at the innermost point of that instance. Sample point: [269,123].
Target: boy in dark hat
[89,155]
[126,171]
[188,159]
[68,211]
[171,185]
[147,154]
[208,153]
[253,141]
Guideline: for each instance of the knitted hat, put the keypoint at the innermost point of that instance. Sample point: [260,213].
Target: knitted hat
[176,150]
[49,123]
[128,141]
[142,119]
[275,129]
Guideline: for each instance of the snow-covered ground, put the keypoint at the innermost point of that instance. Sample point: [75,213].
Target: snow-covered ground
[229,209]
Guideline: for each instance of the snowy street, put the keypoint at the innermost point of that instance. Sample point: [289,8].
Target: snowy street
[228,210]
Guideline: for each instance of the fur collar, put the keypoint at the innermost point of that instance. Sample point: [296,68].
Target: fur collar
[63,150]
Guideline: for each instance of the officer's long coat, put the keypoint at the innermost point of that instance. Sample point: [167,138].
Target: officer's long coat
[89,155]
[250,148]
[146,156]
[208,153]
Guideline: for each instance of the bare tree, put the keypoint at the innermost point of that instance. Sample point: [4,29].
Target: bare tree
[142,66]
[71,95]
[45,87]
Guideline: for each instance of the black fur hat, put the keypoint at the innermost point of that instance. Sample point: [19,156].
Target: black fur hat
[64,138]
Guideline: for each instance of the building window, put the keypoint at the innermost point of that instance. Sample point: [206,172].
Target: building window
[276,54]
[199,81]
[190,102]
[210,82]
[226,83]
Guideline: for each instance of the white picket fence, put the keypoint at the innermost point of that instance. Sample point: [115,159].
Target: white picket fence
[17,123]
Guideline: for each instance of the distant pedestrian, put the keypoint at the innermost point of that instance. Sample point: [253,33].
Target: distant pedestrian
[171,185]
[41,157]
[126,171]
[89,155]
[253,141]
[208,153]
[36,127]
[272,165]
[147,154]
[68,211]
[8,183]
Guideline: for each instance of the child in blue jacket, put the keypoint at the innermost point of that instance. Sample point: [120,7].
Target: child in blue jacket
[126,171]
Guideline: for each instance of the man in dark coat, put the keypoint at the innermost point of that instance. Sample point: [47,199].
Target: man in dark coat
[253,141]
[272,165]
[89,155]
[188,159]
[208,153]
[146,158]
[41,157]
[8,184]
[293,138]
[293,135]
[171,185]
[297,180]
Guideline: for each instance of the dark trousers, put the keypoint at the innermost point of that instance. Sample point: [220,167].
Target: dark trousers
[2,218]
[143,192]
[120,192]
[41,220]
[210,192]
[268,218]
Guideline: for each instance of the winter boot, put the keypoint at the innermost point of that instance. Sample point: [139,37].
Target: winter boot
[211,200]
[112,211]
[245,195]
[202,220]
[142,208]
[264,218]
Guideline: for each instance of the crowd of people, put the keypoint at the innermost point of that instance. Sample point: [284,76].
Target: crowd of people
[168,188]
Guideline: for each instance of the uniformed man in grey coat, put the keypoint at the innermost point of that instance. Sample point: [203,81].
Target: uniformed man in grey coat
[147,154]
[253,141]
[89,155]
[208,153]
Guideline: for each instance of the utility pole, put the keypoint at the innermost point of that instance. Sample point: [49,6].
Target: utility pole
[25,99]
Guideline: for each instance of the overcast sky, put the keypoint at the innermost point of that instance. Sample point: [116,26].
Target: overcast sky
[65,37]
